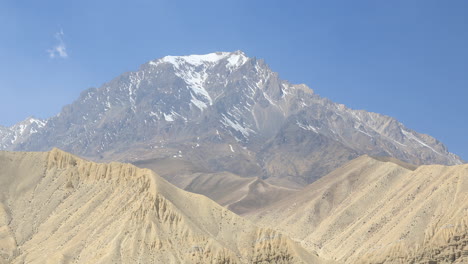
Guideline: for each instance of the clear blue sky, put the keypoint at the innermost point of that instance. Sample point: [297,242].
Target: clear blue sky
[406,59]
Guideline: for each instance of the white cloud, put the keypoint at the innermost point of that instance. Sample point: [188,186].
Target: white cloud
[59,50]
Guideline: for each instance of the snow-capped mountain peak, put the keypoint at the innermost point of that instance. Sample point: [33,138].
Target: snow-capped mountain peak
[197,103]
[234,59]
[20,131]
[29,125]
[195,60]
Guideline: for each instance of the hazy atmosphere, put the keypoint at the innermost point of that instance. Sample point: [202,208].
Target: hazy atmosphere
[406,59]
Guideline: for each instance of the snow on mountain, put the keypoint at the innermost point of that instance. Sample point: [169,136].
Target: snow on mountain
[193,70]
[20,131]
[201,104]
[195,60]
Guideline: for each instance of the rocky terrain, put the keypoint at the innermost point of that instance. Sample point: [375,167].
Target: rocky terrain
[57,208]
[225,128]
[379,211]
[223,112]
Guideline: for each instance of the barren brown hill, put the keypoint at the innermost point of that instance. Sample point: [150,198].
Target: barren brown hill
[376,211]
[239,194]
[57,208]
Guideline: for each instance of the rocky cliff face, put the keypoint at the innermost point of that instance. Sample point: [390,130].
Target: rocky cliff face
[225,112]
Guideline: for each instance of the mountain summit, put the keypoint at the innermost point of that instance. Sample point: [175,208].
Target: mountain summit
[224,111]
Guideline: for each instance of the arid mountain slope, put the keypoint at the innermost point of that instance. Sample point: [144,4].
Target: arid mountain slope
[57,208]
[239,194]
[376,211]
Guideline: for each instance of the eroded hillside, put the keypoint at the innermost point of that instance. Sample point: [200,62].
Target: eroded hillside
[373,211]
[57,208]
